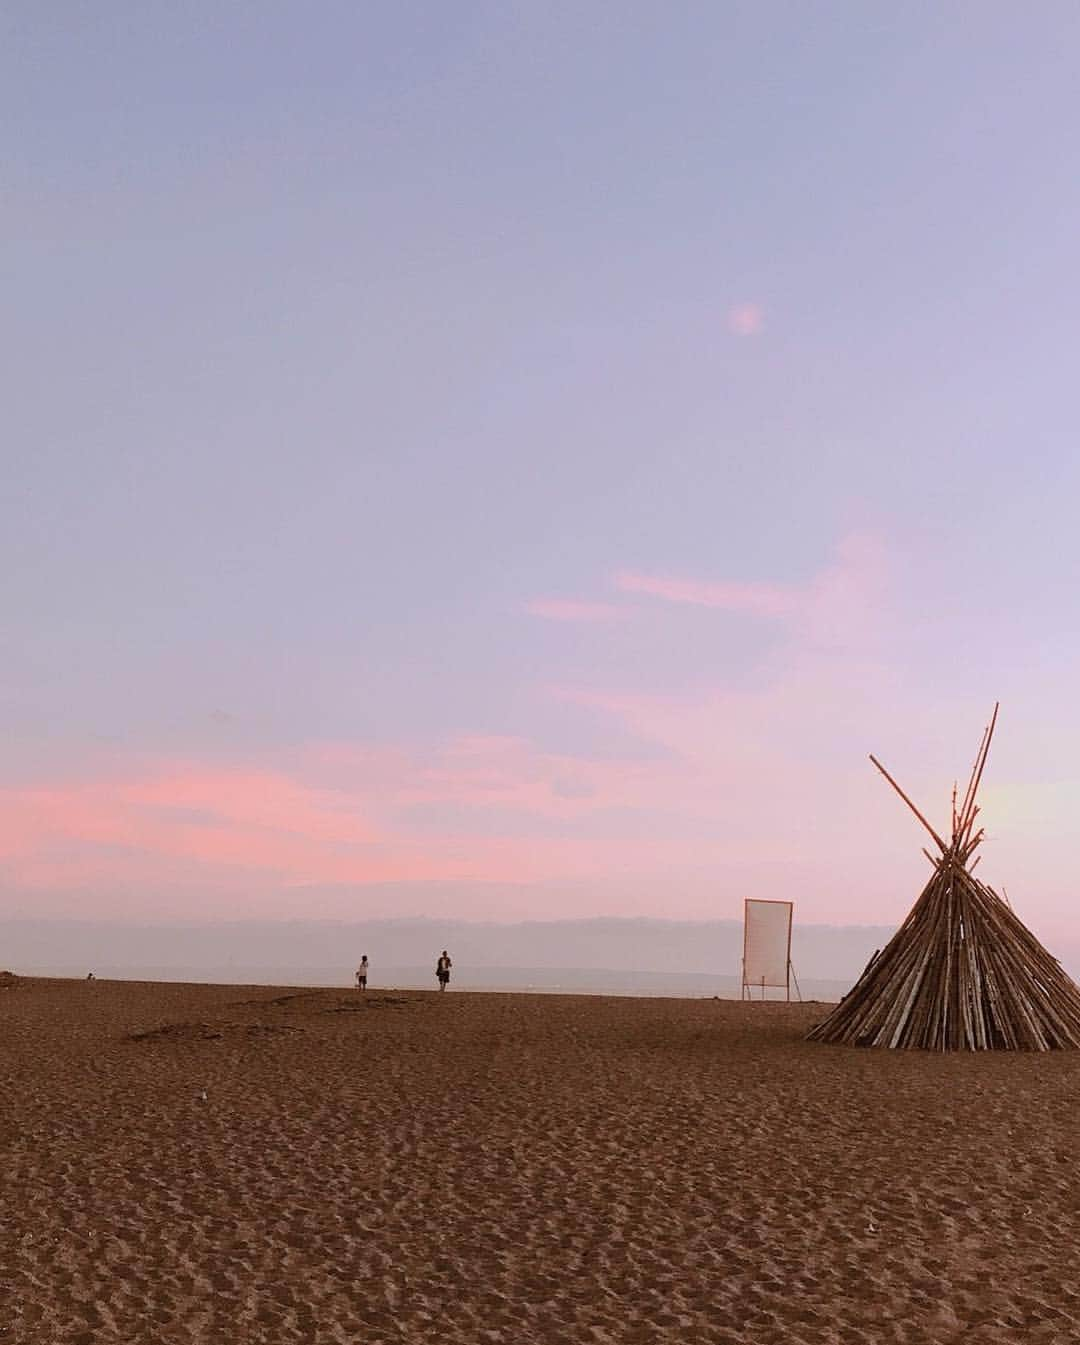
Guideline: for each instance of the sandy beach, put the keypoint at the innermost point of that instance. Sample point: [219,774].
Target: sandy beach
[220,1164]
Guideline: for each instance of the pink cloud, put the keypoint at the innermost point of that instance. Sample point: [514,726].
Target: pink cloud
[224,819]
[746,319]
[498,809]
[772,600]
[242,835]
[760,787]
[572,609]
[843,595]
[509,775]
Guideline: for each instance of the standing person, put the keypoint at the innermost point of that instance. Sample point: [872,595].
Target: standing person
[361,974]
[442,970]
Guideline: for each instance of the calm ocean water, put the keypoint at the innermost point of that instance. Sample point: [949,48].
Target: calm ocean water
[540,980]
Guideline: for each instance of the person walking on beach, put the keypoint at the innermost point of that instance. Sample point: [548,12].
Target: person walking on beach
[361,974]
[442,970]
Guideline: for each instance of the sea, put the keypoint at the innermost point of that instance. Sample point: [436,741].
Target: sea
[529,980]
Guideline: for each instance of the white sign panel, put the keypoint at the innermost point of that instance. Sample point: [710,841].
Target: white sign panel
[766,942]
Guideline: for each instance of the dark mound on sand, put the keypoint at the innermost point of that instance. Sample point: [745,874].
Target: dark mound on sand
[362,1002]
[192,1032]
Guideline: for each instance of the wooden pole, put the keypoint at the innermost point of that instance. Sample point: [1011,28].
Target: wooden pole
[965,821]
[909,803]
[971,779]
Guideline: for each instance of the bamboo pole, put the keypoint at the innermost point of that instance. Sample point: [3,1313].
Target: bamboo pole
[971,777]
[909,803]
[982,765]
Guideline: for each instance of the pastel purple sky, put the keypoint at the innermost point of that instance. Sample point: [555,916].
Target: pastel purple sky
[517,460]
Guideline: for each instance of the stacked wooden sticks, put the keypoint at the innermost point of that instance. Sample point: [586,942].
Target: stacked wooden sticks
[962,973]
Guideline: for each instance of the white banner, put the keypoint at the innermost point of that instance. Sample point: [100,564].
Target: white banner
[766,942]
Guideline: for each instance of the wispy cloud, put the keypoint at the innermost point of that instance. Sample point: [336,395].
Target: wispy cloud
[575,610]
[763,599]
[749,784]
[481,809]
[842,597]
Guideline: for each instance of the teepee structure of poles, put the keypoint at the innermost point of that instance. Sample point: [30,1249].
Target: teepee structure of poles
[962,973]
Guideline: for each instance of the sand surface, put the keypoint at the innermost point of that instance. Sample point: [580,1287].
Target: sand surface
[511,1168]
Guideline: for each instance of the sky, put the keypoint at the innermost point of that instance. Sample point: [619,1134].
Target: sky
[516,460]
